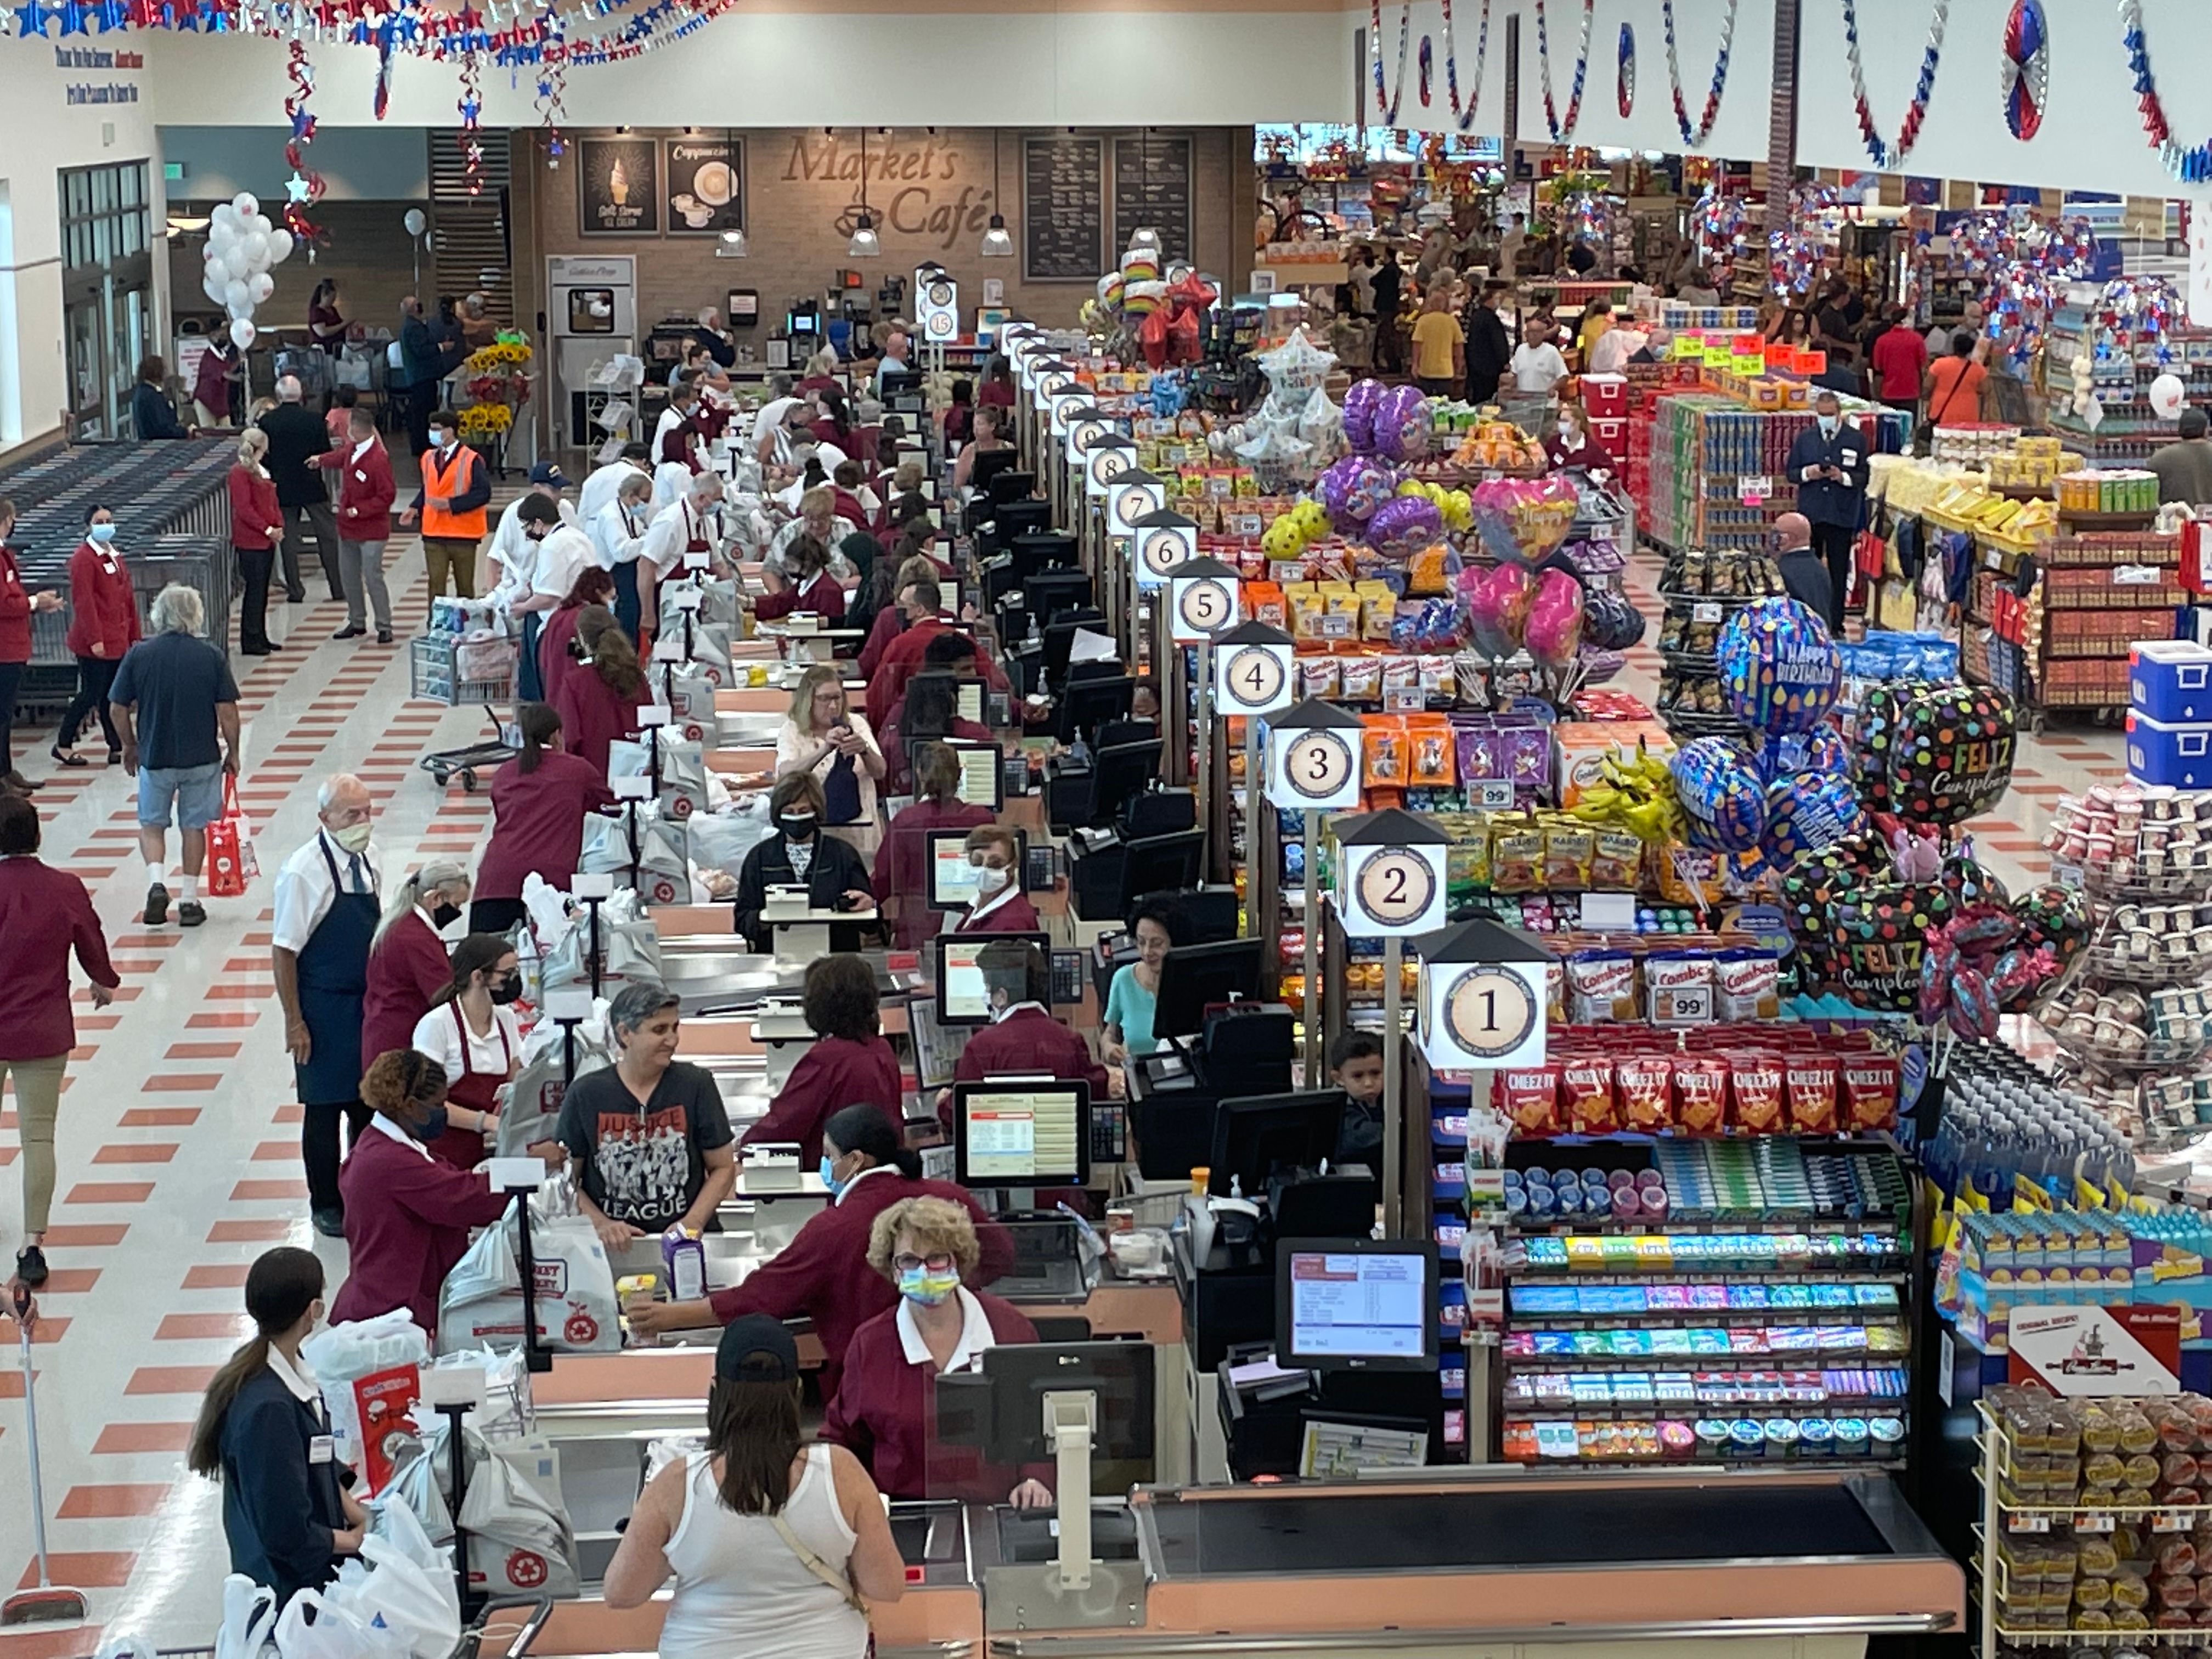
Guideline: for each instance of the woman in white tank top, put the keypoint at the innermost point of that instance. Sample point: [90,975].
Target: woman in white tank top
[781,1583]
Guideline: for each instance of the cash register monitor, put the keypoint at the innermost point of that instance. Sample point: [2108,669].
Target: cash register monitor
[969,701]
[1123,771]
[998,476]
[1346,1304]
[1167,863]
[1059,638]
[1263,1136]
[963,990]
[1194,977]
[1027,1134]
[1051,592]
[1089,701]
[952,878]
[1019,1375]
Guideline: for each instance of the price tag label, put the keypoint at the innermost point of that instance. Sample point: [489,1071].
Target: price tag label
[1753,492]
[1991,559]
[2094,1521]
[2167,1521]
[1705,611]
[2137,575]
[1494,795]
[2027,1523]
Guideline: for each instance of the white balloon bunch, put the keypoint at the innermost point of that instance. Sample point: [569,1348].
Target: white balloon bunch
[242,247]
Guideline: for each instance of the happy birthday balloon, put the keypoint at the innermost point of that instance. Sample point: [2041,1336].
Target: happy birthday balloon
[1779,668]
[1402,423]
[1404,522]
[1353,488]
[1359,413]
[1721,793]
[1809,813]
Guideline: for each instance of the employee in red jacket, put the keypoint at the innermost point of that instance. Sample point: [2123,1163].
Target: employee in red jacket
[17,605]
[44,914]
[810,586]
[902,874]
[408,972]
[598,700]
[538,803]
[365,495]
[1001,906]
[885,1413]
[407,1213]
[1023,1039]
[256,524]
[849,1062]
[103,625]
[823,1274]
[902,659]
[556,658]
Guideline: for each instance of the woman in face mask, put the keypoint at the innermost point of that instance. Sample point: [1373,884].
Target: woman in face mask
[407,970]
[539,801]
[1570,449]
[800,855]
[472,1033]
[263,1433]
[407,1213]
[823,1272]
[103,625]
[1001,906]
[886,1408]
[848,1060]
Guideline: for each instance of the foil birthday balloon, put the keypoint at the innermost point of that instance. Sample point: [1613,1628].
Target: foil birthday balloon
[1779,668]
[1721,793]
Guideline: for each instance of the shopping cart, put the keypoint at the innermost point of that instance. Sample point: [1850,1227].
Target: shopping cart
[454,669]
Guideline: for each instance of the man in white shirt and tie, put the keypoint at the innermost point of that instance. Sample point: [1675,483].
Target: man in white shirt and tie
[618,533]
[327,914]
[601,482]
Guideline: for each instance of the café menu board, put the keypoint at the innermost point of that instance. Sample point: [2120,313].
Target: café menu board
[1063,209]
[1152,186]
[706,185]
[618,186]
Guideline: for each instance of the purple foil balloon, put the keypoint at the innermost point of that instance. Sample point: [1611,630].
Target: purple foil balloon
[1353,488]
[1359,413]
[1402,423]
[1405,522]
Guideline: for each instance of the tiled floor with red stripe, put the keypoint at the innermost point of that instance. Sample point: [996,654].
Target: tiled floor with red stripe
[178,1137]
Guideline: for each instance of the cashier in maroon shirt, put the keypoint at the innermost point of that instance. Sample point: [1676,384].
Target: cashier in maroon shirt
[1023,1039]
[538,803]
[847,1062]
[556,658]
[44,914]
[902,874]
[1000,905]
[408,972]
[885,1412]
[823,1274]
[598,702]
[407,1213]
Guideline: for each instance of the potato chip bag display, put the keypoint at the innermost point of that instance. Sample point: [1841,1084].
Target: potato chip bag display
[1529,1097]
[1601,987]
[1871,1085]
[1645,1085]
[1678,990]
[1320,676]
[1755,1082]
[1746,985]
[1701,1095]
[1361,678]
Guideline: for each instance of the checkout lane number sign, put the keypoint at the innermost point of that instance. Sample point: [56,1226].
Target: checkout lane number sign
[1159,552]
[1203,607]
[1482,1015]
[1314,770]
[1253,679]
[1392,891]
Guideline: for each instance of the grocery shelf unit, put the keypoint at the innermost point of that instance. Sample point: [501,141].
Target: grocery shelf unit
[2102,583]
[1996,1603]
[1771,1315]
[2129,429]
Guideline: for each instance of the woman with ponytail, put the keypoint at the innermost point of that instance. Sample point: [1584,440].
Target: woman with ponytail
[408,1213]
[407,970]
[263,1434]
[539,802]
[599,701]
[472,1033]
[823,1272]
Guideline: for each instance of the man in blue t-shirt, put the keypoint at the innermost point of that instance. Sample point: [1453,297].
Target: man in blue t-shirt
[176,706]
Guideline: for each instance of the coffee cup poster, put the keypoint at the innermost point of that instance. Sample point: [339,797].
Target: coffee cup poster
[621,193]
[706,185]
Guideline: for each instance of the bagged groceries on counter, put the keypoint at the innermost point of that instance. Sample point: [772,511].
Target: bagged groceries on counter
[480,1303]
[403,1584]
[532,1113]
[682,789]
[629,949]
[521,1545]
[720,841]
[709,646]
[370,1371]
[688,693]
[335,1631]
[249,1619]
[417,1484]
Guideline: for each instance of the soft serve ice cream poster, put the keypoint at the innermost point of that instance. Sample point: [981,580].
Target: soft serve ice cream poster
[621,186]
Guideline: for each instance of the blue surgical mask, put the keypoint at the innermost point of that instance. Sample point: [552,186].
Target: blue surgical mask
[829,1179]
[102,532]
[1829,425]
[431,1127]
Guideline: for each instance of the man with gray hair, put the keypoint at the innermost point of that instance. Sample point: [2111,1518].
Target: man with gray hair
[319,942]
[648,1138]
[176,707]
[297,436]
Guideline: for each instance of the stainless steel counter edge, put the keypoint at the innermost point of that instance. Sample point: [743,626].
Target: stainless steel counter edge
[1168,1647]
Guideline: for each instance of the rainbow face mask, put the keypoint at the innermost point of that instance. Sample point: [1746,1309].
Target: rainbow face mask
[920,1284]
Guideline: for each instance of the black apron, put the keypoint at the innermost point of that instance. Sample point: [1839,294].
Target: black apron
[333,979]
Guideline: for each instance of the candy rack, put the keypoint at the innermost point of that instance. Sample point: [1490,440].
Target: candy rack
[2074,1565]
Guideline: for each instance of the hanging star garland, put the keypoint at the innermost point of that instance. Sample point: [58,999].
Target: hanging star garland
[305,187]
[2188,164]
[1562,128]
[470,105]
[1694,136]
[1887,157]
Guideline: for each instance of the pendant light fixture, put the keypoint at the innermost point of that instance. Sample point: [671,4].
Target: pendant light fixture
[865,244]
[998,242]
[1144,239]
[733,244]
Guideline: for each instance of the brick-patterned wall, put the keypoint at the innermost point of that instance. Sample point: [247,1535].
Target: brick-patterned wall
[791,222]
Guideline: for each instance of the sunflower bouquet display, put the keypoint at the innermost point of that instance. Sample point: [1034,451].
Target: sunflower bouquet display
[499,373]
[480,422]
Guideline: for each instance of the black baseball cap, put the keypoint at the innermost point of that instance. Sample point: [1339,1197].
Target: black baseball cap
[755,1348]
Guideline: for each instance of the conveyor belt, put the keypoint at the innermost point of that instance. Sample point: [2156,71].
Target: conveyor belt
[1473,1529]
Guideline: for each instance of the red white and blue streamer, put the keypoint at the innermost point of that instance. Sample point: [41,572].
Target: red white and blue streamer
[1624,85]
[2024,75]
[1465,115]
[2190,164]
[1889,155]
[1695,135]
[1562,128]
[1388,98]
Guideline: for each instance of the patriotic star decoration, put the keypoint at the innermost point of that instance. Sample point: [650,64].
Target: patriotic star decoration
[73,19]
[472,108]
[30,19]
[299,190]
[303,123]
